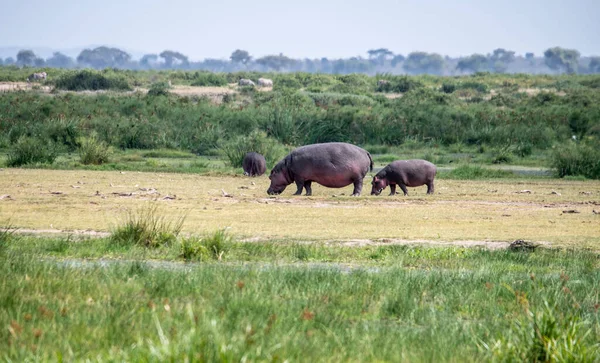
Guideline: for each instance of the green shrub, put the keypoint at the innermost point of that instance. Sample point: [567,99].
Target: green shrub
[90,80]
[93,151]
[208,79]
[448,87]
[576,159]
[159,89]
[7,234]
[31,150]
[63,132]
[146,228]
[212,246]
[399,84]
[257,141]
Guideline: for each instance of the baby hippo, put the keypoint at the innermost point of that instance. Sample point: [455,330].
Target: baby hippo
[405,173]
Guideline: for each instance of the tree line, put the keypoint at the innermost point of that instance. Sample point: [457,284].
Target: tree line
[381,60]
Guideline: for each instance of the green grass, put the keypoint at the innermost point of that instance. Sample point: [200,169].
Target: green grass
[424,304]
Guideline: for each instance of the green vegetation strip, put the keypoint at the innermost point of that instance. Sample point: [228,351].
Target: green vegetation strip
[332,303]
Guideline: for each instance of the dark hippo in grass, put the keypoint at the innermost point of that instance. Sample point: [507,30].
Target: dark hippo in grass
[333,165]
[405,173]
[254,164]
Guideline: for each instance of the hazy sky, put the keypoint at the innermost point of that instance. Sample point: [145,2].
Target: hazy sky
[303,28]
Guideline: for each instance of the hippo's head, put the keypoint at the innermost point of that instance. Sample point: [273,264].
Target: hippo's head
[280,178]
[378,184]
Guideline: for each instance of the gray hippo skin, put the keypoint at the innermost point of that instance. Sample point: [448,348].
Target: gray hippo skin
[405,173]
[254,164]
[333,165]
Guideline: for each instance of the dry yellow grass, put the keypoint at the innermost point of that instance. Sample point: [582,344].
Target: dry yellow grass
[459,211]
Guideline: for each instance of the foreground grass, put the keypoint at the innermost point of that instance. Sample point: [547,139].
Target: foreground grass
[426,304]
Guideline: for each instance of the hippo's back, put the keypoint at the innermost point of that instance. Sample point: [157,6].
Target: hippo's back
[331,164]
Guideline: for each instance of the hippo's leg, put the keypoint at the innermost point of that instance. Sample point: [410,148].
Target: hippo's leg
[300,185]
[358,183]
[392,189]
[307,187]
[403,187]
[430,187]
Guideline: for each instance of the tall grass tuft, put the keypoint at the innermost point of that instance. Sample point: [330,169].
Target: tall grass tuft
[147,228]
[93,151]
[7,234]
[212,246]
[544,334]
[31,150]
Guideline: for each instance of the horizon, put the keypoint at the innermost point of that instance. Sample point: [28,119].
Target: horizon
[333,30]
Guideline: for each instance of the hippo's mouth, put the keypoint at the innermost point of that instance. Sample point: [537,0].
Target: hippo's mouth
[377,191]
[273,192]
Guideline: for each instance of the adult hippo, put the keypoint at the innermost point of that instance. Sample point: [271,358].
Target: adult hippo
[265,82]
[254,164]
[246,82]
[334,165]
[405,173]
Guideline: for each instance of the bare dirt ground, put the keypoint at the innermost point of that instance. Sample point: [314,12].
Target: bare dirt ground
[465,213]
[23,86]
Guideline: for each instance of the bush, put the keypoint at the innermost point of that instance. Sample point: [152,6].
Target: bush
[576,159]
[91,80]
[399,84]
[31,150]
[147,228]
[209,247]
[159,89]
[93,151]
[257,141]
[207,79]
[448,87]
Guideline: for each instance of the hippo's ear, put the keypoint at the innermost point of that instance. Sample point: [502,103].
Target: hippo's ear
[375,178]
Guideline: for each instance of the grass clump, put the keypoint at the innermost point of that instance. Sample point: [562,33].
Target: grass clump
[93,151]
[544,333]
[212,246]
[147,228]
[31,150]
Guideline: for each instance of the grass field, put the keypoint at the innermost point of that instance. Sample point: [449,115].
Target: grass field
[557,212]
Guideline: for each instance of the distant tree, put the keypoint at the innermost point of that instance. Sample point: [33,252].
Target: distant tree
[473,63]
[398,58]
[529,56]
[148,60]
[59,60]
[25,57]
[594,66]
[276,62]
[1,62]
[379,55]
[421,62]
[325,65]
[104,57]
[240,56]
[174,58]
[9,61]
[500,59]
[560,59]
[39,62]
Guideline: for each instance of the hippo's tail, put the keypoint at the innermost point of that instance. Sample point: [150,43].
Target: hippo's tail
[371,162]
